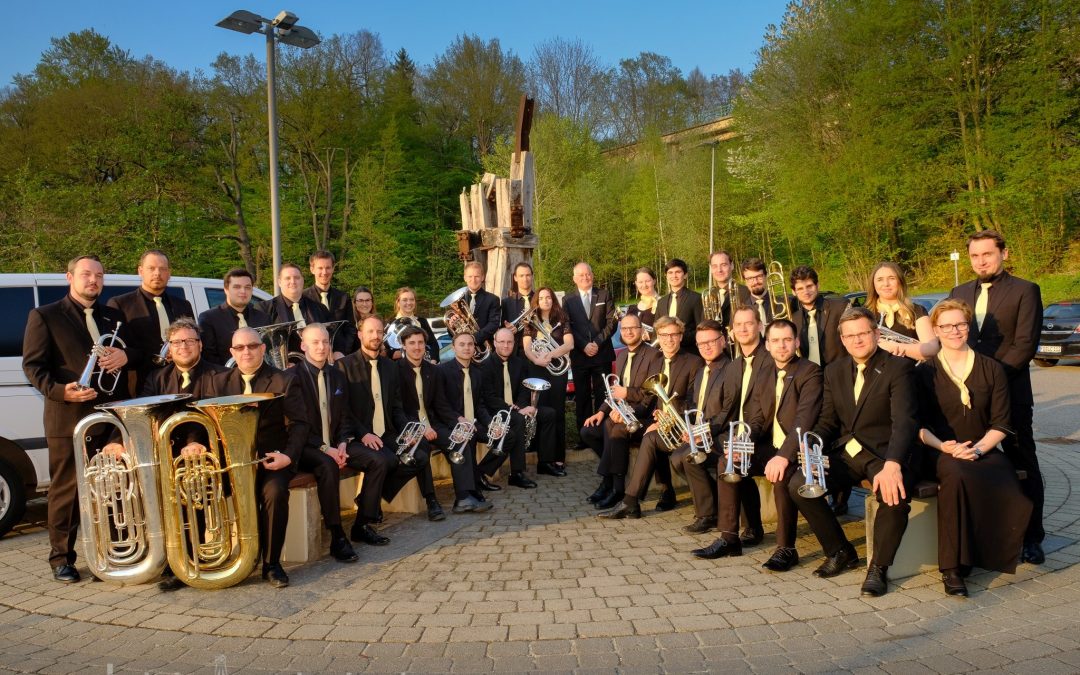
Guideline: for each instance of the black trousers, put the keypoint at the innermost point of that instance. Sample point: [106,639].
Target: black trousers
[513,446]
[1020,449]
[546,439]
[400,476]
[554,398]
[327,476]
[588,389]
[378,466]
[272,490]
[652,457]
[702,485]
[63,507]
[464,474]
[611,442]
[744,494]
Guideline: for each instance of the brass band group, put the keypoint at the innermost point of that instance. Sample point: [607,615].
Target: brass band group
[746,380]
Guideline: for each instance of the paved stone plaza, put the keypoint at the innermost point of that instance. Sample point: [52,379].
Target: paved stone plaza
[541,584]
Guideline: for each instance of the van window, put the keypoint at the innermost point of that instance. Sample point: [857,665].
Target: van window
[214,297]
[17,303]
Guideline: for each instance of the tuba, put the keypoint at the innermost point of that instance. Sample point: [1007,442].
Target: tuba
[544,343]
[119,509]
[814,464]
[212,538]
[620,405]
[670,424]
[535,385]
[699,437]
[409,440]
[460,436]
[86,378]
[739,451]
[459,319]
[776,289]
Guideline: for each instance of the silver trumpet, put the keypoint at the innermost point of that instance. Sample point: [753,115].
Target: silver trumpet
[498,430]
[535,385]
[460,436]
[409,440]
[620,405]
[739,451]
[892,336]
[96,352]
[699,437]
[814,464]
[544,344]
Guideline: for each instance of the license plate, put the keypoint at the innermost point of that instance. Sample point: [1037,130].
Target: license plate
[1049,349]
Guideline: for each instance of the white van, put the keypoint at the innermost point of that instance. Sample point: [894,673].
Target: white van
[24,457]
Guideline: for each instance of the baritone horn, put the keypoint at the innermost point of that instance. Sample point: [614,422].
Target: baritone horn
[814,464]
[459,319]
[740,449]
[212,533]
[119,506]
[776,289]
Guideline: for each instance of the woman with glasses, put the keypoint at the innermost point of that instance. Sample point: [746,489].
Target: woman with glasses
[645,309]
[363,304]
[551,316]
[964,408]
[887,297]
[405,315]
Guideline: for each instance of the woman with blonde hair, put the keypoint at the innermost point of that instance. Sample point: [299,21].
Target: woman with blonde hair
[405,315]
[887,298]
[645,308]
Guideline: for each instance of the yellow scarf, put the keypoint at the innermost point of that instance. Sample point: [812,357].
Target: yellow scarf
[960,378]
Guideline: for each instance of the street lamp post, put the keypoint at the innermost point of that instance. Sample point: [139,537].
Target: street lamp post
[282,28]
[955,258]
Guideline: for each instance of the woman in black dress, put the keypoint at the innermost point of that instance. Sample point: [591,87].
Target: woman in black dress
[645,283]
[405,315]
[550,314]
[887,297]
[964,408]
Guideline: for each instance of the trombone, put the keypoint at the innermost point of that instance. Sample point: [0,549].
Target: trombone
[776,289]
[739,451]
[814,464]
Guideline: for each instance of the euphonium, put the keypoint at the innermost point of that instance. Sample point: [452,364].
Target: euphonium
[699,437]
[814,464]
[276,338]
[219,549]
[86,378]
[739,451]
[119,506]
[620,405]
[459,319]
[498,429]
[776,289]
[409,440]
[544,343]
[535,385]
[670,424]
[460,436]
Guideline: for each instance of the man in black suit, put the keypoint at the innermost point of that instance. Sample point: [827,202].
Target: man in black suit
[419,388]
[591,315]
[148,311]
[518,299]
[329,444]
[1008,318]
[606,431]
[816,318]
[681,302]
[280,437]
[375,401]
[187,372]
[754,293]
[485,307]
[868,417]
[679,369]
[293,305]
[336,301]
[218,324]
[461,401]
[56,346]
[720,268]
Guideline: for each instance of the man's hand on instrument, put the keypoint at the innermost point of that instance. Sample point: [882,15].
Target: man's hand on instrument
[619,392]
[430,435]
[652,427]
[113,449]
[594,420]
[889,483]
[775,468]
[112,359]
[528,411]
[275,461]
[615,416]
[74,394]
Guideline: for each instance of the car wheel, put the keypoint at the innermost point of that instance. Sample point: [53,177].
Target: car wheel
[12,498]
[1046,363]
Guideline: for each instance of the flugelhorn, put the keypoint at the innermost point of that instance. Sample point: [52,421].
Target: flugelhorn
[97,350]
[670,424]
[739,449]
[814,464]
[544,344]
[409,440]
[776,289]
[498,429]
[620,405]
[460,436]
[535,385]
[119,506]
[459,319]
[699,437]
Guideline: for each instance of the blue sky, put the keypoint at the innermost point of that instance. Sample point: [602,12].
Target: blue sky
[715,36]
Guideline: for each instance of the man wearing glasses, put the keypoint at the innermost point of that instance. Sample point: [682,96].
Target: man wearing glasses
[868,417]
[756,297]
[678,368]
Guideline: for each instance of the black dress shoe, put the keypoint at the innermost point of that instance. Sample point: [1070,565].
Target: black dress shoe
[954,583]
[1033,553]
[610,500]
[342,550]
[749,537]
[520,480]
[66,573]
[700,525]
[485,484]
[782,560]
[600,493]
[667,500]
[621,511]
[435,511]
[471,504]
[275,574]
[365,533]
[721,548]
[877,581]
[549,469]
[843,560]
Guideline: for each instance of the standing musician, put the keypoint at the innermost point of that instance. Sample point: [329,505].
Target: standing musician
[887,297]
[756,296]
[148,311]
[868,415]
[460,400]
[280,437]
[645,308]
[681,302]
[591,314]
[363,305]
[405,315]
[816,318]
[293,305]
[218,324]
[751,368]
[56,347]
[552,317]
[375,402]
[606,431]
[720,267]
[329,444]
[679,368]
[519,297]
[485,306]
[1008,321]
[334,300]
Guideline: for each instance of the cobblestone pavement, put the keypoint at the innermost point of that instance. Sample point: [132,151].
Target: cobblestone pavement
[541,584]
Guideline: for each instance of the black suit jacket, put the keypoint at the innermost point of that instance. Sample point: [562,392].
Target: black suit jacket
[513,306]
[340,309]
[733,375]
[430,341]
[283,421]
[800,404]
[488,315]
[357,371]
[279,310]
[725,308]
[591,324]
[141,318]
[56,347]
[713,410]
[218,325]
[167,380]
[492,373]
[1010,332]
[688,310]
[409,402]
[748,300]
[451,401]
[684,367]
[647,362]
[883,421]
[342,425]
[828,327]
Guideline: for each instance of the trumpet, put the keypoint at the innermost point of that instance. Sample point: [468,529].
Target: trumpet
[460,436]
[498,430]
[814,464]
[523,319]
[544,343]
[670,424]
[739,451]
[892,336]
[620,405]
[534,385]
[409,440]
[459,319]
[699,437]
[776,289]
[96,352]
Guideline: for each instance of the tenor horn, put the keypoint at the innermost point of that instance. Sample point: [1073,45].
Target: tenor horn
[544,343]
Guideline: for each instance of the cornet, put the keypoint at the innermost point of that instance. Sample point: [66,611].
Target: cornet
[96,352]
[409,440]
[459,319]
[460,436]
[498,429]
[534,385]
[670,424]
[699,437]
[739,451]
[620,405]
[544,344]
[776,289]
[814,464]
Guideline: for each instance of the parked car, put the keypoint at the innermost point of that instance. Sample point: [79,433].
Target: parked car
[1060,335]
[928,300]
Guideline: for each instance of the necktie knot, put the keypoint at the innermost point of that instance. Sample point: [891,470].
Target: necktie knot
[325,297]
[986,285]
[812,312]
[860,367]
[780,374]
[185,379]
[157,299]
[247,381]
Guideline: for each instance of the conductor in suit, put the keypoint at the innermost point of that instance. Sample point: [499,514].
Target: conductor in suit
[591,314]
[238,311]
[56,348]
[486,307]
[681,303]
[148,311]
[1008,321]
[334,300]
[817,318]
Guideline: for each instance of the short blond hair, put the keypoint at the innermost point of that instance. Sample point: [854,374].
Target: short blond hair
[948,305]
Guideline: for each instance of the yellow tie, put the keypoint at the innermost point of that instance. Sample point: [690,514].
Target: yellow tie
[667,371]
[378,420]
[420,393]
[185,379]
[778,434]
[812,337]
[723,296]
[298,315]
[91,325]
[470,414]
[761,314]
[888,313]
[980,305]
[508,392]
[701,394]
[247,382]
[745,384]
[626,369]
[852,447]
[325,299]
[472,306]
[162,317]
[241,322]
[674,304]
[324,409]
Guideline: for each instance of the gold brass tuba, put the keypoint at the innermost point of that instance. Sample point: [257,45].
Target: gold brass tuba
[670,423]
[459,319]
[119,506]
[220,548]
